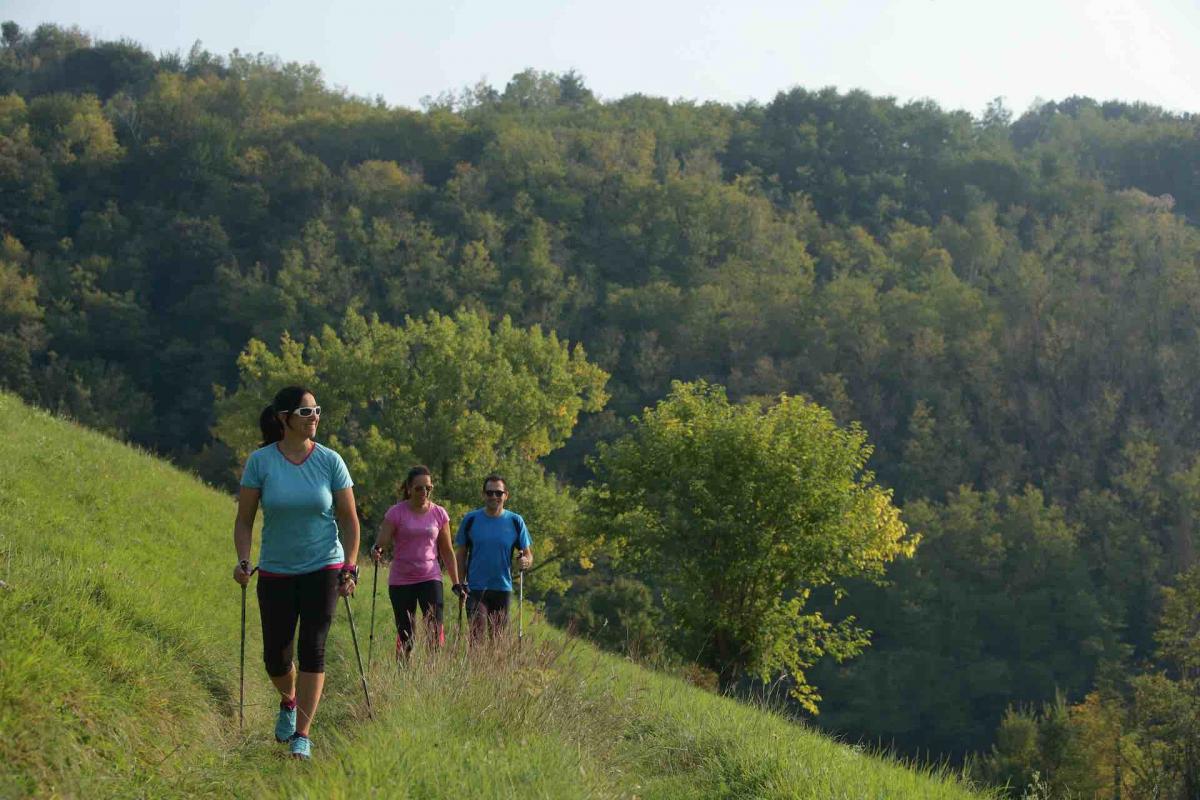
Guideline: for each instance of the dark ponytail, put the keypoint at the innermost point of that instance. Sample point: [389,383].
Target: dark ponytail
[285,400]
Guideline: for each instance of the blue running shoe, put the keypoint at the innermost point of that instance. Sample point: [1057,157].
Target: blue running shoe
[285,724]
[300,746]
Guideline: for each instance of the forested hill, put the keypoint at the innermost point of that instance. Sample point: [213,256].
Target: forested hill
[1009,306]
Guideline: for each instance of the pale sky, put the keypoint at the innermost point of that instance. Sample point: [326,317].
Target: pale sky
[960,53]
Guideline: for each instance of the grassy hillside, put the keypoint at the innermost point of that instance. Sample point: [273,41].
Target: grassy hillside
[118,674]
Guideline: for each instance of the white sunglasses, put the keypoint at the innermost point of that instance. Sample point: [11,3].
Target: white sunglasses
[306,411]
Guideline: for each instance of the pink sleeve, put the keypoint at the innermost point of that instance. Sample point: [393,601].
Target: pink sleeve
[393,515]
[443,517]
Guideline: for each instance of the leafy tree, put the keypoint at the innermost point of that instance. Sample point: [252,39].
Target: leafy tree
[29,193]
[737,512]
[1014,759]
[383,187]
[533,89]
[73,131]
[572,91]
[11,33]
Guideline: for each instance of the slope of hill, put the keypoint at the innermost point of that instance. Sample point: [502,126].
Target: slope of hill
[119,676]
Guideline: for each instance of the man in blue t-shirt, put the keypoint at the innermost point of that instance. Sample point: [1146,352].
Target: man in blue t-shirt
[484,546]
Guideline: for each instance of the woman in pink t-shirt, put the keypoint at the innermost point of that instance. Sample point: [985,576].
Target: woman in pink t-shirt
[418,532]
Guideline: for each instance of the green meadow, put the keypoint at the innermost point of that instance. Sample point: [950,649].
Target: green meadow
[119,632]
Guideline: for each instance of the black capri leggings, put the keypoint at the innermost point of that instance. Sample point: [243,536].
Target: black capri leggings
[311,597]
[405,599]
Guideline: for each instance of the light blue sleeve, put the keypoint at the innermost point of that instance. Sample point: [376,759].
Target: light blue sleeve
[339,477]
[252,474]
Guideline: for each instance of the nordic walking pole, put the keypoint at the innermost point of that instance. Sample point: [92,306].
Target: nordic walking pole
[361,673]
[242,658]
[242,669]
[521,610]
[464,634]
[374,594]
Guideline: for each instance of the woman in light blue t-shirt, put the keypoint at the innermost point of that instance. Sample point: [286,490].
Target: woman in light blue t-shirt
[307,498]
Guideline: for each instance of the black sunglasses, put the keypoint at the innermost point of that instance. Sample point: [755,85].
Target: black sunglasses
[421,487]
[494,492]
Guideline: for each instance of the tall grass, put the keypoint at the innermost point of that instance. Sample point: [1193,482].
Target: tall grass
[119,636]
